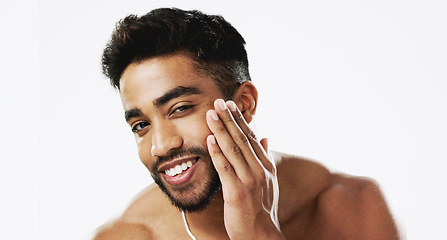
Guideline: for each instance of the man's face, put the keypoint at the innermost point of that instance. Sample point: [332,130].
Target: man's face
[165,102]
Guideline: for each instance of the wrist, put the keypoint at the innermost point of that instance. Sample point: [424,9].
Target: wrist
[269,230]
[271,234]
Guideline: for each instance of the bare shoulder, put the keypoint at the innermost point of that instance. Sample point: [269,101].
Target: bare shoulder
[331,205]
[141,219]
[300,179]
[358,194]
[356,206]
[300,182]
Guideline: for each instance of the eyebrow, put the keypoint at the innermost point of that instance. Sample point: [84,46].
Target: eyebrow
[134,112]
[175,93]
[168,96]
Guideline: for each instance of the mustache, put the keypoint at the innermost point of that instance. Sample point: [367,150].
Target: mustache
[177,153]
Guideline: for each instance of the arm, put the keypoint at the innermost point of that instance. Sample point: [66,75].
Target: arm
[248,175]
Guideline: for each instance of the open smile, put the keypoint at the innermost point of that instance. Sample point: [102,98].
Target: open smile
[179,171]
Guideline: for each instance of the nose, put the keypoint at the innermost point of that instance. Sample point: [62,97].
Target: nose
[164,138]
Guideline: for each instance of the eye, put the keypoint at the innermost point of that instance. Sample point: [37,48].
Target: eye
[139,126]
[181,109]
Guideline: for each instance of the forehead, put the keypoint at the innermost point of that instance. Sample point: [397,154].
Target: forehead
[145,81]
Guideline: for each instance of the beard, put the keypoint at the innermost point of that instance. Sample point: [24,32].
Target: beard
[190,197]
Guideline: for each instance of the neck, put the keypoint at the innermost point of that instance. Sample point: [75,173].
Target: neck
[210,221]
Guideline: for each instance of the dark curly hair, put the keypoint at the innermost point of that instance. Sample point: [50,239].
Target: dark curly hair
[215,45]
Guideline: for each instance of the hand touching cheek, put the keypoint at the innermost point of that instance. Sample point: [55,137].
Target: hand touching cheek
[247,173]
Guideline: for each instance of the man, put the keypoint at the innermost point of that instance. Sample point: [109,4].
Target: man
[187,95]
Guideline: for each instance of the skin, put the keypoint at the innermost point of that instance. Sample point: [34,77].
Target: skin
[310,203]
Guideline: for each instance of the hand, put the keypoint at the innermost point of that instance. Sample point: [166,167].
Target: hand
[248,175]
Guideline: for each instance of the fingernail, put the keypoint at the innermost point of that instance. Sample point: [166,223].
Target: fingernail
[232,106]
[221,104]
[212,139]
[214,116]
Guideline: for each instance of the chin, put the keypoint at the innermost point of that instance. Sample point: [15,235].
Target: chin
[192,198]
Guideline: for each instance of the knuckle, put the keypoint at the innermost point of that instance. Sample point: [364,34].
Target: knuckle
[252,135]
[237,117]
[226,167]
[227,118]
[221,128]
[235,149]
[241,138]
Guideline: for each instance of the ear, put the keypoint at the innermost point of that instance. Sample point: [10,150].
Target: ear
[246,99]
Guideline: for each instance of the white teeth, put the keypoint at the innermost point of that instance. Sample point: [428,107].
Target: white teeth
[178,169]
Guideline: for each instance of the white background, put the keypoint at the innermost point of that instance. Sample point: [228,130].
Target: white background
[359,86]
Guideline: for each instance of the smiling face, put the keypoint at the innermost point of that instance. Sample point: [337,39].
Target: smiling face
[165,101]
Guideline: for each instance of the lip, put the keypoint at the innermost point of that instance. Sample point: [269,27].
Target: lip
[170,164]
[182,178]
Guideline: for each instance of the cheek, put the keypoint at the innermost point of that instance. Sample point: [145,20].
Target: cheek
[194,131]
[144,151]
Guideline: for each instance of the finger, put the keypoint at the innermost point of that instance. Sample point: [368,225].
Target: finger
[265,144]
[229,149]
[225,170]
[260,150]
[239,137]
